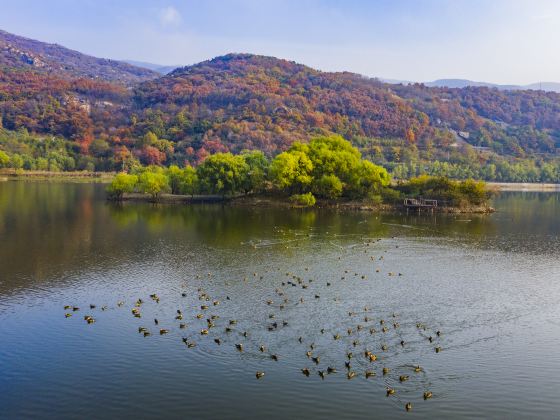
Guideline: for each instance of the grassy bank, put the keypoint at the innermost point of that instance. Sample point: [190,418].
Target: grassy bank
[57,175]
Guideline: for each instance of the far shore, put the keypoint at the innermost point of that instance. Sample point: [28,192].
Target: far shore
[523,186]
[8,173]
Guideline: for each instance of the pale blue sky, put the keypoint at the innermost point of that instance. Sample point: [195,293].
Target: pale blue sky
[501,41]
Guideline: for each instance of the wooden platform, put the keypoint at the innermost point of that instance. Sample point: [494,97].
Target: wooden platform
[420,204]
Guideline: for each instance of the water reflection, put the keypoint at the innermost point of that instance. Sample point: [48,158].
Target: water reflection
[488,282]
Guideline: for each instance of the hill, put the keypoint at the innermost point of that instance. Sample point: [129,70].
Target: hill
[17,52]
[245,101]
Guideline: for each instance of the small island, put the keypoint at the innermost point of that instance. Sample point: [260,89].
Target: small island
[326,172]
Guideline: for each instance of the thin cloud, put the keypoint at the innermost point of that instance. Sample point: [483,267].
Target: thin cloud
[169,16]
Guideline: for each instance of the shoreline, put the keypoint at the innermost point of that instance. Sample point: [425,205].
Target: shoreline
[19,174]
[263,201]
[523,186]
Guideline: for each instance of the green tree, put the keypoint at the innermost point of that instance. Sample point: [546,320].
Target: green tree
[153,183]
[257,172]
[174,173]
[329,186]
[222,173]
[367,179]
[188,181]
[122,183]
[16,161]
[4,159]
[291,171]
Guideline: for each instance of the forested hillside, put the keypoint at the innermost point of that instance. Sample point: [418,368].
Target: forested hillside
[110,114]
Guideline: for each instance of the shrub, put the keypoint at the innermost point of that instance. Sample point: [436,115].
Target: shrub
[303,200]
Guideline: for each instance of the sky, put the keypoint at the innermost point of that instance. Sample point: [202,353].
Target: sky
[499,41]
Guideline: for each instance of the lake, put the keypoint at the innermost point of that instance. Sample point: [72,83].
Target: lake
[490,284]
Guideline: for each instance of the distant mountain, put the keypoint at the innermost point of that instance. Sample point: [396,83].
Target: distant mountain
[151,66]
[17,52]
[462,83]
[546,86]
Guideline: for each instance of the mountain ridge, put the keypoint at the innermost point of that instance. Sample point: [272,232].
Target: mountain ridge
[25,53]
[246,101]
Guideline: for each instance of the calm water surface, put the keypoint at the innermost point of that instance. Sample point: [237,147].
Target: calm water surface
[490,284]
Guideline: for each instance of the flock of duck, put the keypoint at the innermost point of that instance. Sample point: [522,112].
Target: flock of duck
[365,335]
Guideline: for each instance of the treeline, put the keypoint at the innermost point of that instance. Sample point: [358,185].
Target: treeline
[328,167]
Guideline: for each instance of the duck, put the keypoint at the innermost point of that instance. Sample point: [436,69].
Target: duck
[372,357]
[417,369]
[182,325]
[348,365]
[203,331]
[369,374]
[390,391]
[199,316]
[330,369]
[438,349]
[351,374]
[262,348]
[305,371]
[259,375]
[163,331]
[274,357]
[316,360]
[336,336]
[384,347]
[239,347]
[386,370]
[156,321]
[427,395]
[408,406]
[67,315]
[321,374]
[217,341]
[403,378]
